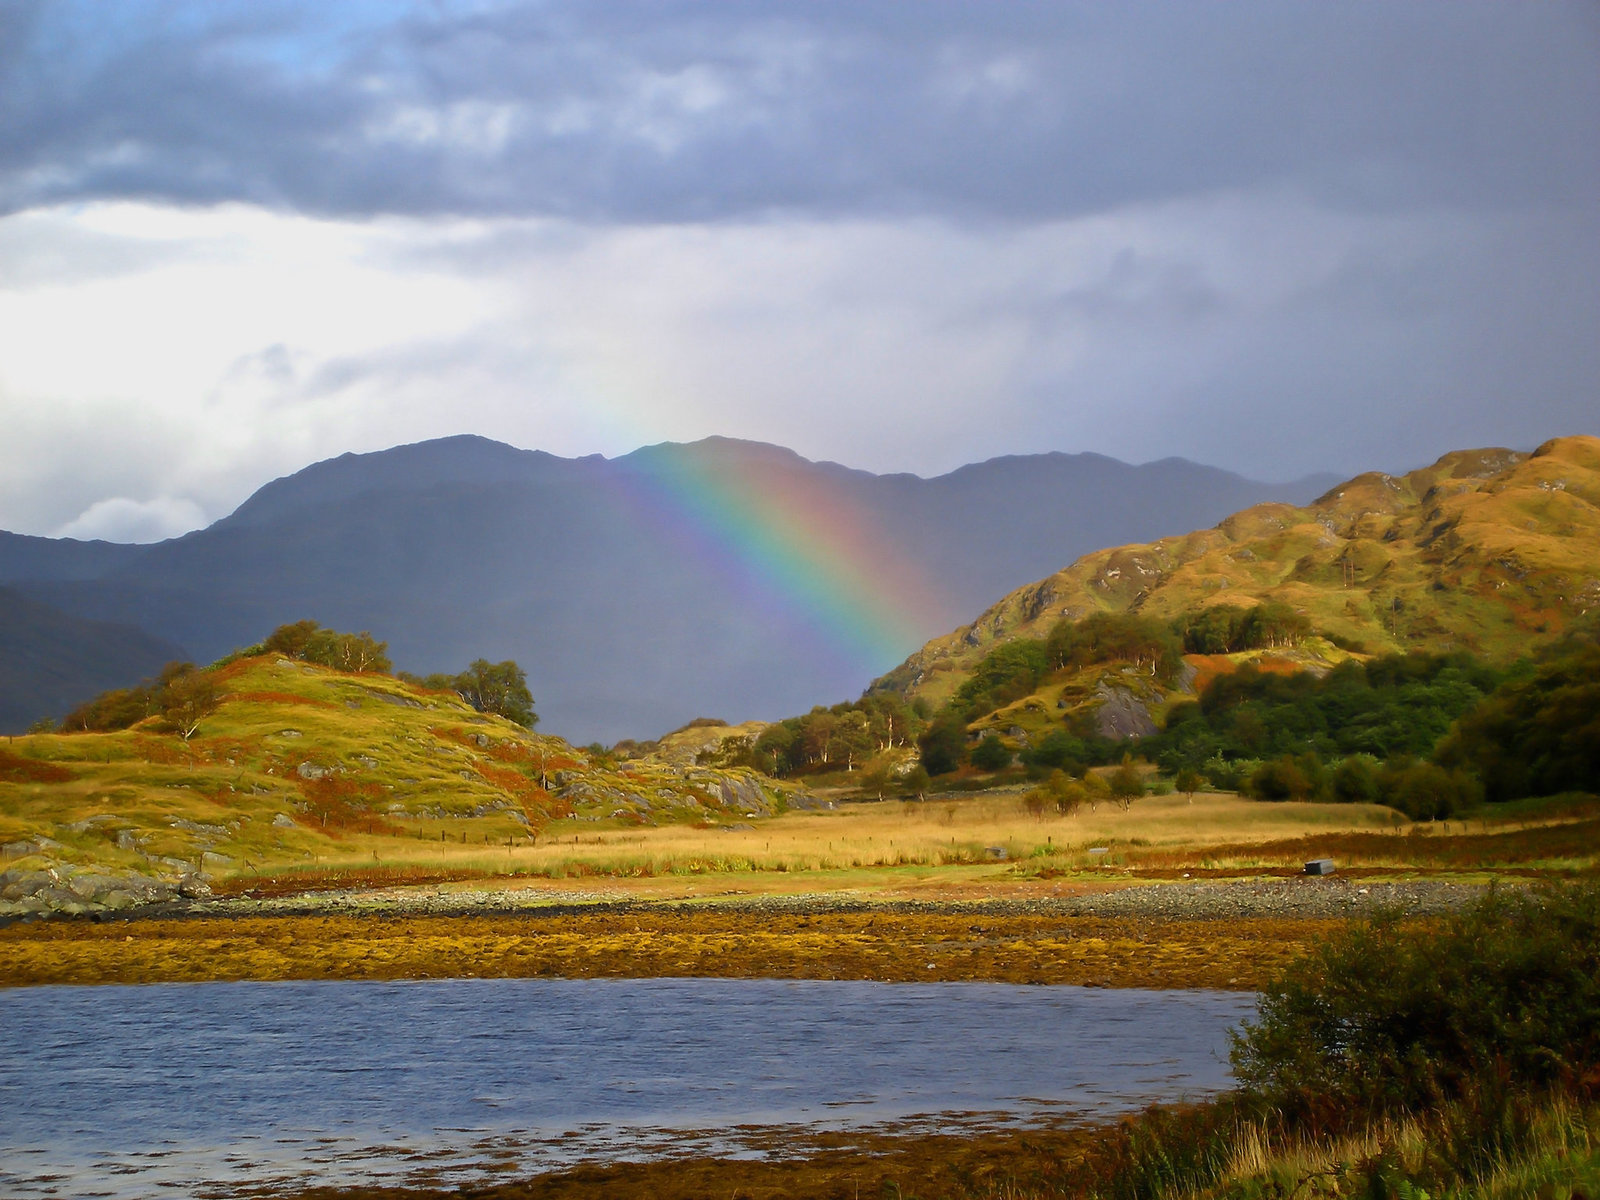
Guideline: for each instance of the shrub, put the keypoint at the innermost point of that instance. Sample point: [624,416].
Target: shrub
[991,754]
[1279,779]
[1391,1018]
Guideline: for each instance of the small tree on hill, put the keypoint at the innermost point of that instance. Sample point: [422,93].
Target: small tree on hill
[187,697]
[500,688]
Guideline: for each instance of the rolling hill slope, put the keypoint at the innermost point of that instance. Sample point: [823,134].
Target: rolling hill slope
[1490,551]
[305,768]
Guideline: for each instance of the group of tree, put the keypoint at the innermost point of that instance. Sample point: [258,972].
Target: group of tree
[183,695]
[843,737]
[1017,668]
[500,688]
[1230,629]
[1386,707]
[309,642]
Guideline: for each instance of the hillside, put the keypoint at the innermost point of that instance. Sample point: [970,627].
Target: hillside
[722,578]
[301,769]
[1490,551]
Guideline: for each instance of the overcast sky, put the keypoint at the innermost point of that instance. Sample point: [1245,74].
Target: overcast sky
[1279,238]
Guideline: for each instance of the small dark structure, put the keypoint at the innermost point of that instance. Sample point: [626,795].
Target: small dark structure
[1320,866]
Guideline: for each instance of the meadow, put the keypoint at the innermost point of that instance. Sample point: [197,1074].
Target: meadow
[975,844]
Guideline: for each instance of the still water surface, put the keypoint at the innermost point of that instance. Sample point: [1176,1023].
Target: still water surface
[200,1089]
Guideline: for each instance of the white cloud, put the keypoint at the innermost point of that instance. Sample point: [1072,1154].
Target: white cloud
[195,354]
[122,520]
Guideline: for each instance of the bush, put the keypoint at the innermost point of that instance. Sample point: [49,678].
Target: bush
[991,754]
[1392,1018]
[1280,779]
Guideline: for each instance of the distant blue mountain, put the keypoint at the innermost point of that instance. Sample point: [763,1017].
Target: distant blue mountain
[463,547]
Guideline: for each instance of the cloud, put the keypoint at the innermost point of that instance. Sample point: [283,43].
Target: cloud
[123,520]
[238,237]
[639,112]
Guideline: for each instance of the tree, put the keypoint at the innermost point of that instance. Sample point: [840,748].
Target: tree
[1127,784]
[991,754]
[291,640]
[500,688]
[186,698]
[1355,781]
[944,743]
[1189,781]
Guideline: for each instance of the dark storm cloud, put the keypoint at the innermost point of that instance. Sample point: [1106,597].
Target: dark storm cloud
[654,111]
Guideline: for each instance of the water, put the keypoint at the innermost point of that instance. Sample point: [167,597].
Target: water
[209,1089]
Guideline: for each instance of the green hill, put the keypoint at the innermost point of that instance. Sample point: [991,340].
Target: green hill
[303,769]
[1488,551]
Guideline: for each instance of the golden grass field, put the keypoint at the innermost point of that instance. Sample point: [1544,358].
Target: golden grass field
[969,845]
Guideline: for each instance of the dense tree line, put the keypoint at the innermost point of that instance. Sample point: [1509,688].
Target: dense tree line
[1427,734]
[1398,705]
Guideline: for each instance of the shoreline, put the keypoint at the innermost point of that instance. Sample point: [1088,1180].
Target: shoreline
[1230,936]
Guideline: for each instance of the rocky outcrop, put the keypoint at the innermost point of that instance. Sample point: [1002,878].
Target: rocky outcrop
[1122,714]
[55,889]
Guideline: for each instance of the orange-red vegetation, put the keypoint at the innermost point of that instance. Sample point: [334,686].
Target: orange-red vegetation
[16,769]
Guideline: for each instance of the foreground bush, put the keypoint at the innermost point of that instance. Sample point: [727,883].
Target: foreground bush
[1389,1019]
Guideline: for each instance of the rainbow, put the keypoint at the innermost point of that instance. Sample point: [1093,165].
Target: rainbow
[798,547]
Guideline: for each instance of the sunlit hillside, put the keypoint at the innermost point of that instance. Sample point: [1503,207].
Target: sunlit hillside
[1490,551]
[302,766]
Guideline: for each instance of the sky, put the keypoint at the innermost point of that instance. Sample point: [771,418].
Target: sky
[1280,238]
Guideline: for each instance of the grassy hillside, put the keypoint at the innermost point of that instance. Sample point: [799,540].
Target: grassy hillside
[1490,551]
[305,768]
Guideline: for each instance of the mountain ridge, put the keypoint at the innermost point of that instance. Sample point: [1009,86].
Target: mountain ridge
[612,581]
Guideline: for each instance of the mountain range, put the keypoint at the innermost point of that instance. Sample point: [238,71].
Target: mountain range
[718,577]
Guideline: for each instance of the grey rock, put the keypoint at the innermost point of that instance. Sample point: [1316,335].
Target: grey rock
[14,885]
[283,821]
[310,770]
[92,887]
